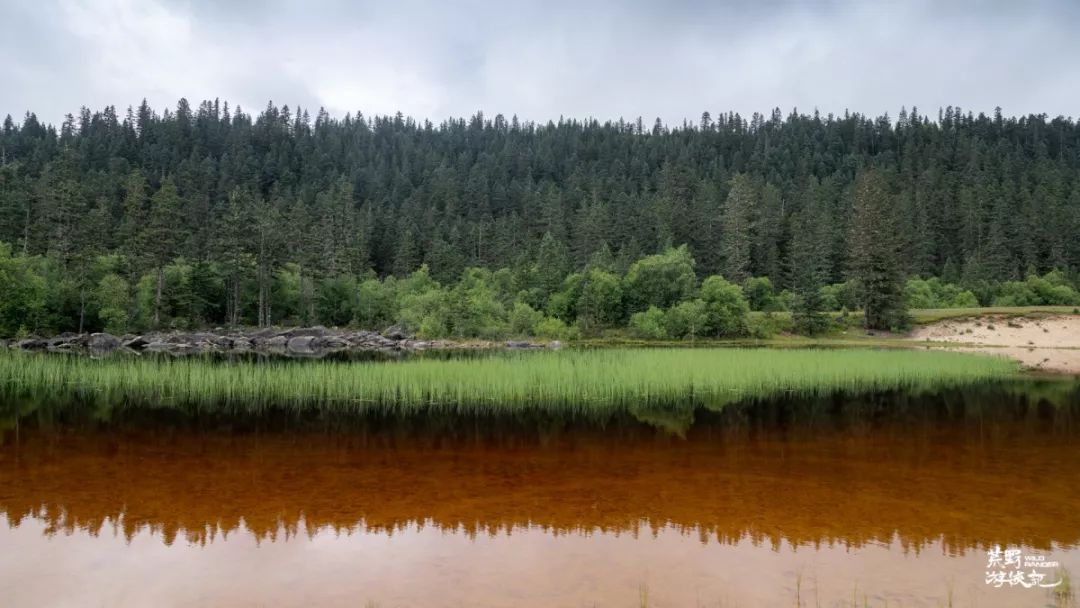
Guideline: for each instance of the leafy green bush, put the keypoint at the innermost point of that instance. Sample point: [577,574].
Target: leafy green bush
[338,300]
[424,307]
[1051,289]
[524,319]
[935,293]
[840,296]
[687,319]
[112,299]
[376,303]
[725,307]
[432,326]
[554,329]
[661,280]
[476,310]
[763,327]
[561,303]
[761,296]
[23,302]
[600,302]
[648,324]
[787,299]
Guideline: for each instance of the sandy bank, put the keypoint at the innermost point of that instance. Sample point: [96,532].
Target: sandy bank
[1049,343]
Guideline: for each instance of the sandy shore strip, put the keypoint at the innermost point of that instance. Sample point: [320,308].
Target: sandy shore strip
[1049,343]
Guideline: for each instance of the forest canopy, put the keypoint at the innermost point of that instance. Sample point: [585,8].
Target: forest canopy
[489,226]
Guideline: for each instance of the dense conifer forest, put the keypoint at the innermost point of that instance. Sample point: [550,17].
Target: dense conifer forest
[490,226]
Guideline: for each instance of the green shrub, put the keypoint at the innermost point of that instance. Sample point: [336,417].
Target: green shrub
[841,296]
[1051,289]
[763,327]
[338,299]
[23,301]
[687,319]
[661,280]
[475,307]
[648,324]
[524,319]
[725,307]
[376,303]
[431,326]
[561,303]
[787,299]
[424,306]
[761,296]
[554,329]
[600,302]
[112,298]
[935,293]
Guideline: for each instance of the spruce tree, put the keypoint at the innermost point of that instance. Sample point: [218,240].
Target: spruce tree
[735,231]
[808,261]
[407,256]
[163,236]
[876,263]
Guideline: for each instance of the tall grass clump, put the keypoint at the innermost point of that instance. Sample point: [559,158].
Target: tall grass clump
[584,380]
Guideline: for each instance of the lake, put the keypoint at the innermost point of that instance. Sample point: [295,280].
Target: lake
[893,498]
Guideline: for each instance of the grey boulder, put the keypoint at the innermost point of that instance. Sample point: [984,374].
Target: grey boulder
[103,341]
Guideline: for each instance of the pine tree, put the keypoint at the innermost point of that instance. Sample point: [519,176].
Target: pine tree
[163,235]
[552,264]
[132,229]
[875,254]
[407,257]
[735,231]
[234,249]
[808,261]
[270,250]
[768,233]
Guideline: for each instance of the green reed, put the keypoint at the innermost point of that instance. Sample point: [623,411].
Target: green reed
[585,380]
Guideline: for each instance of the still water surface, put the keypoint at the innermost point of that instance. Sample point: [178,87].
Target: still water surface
[884,500]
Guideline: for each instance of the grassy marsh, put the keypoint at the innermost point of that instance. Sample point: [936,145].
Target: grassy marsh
[577,379]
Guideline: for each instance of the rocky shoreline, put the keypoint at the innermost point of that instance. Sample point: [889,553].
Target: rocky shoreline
[297,341]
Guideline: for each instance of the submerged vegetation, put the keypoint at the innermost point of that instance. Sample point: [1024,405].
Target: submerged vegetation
[571,380]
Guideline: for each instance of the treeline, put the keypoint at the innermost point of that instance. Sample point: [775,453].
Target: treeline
[209,216]
[658,297]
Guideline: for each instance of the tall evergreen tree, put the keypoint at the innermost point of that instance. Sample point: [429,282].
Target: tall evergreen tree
[163,237]
[808,272]
[407,256]
[876,264]
[736,224]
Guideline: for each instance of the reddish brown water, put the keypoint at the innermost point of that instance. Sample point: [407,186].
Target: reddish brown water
[738,512]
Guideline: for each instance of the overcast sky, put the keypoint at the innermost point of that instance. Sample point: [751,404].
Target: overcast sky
[541,60]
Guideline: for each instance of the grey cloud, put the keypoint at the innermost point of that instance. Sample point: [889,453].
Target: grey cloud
[541,60]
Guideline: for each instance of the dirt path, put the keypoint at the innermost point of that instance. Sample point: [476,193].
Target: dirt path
[1050,343]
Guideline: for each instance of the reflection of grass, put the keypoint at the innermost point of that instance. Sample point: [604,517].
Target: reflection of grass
[1064,593]
[573,380]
